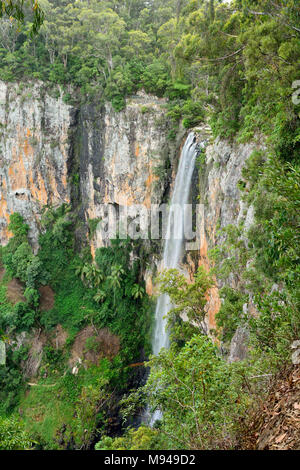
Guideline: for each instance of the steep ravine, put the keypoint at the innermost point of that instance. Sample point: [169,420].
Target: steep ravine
[52,153]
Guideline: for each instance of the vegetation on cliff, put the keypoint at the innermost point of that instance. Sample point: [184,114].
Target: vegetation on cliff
[63,408]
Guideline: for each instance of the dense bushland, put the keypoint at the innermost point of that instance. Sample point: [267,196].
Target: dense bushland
[233,62]
[106,293]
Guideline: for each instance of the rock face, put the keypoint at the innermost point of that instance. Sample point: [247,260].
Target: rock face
[120,156]
[239,344]
[34,149]
[218,186]
[219,174]
[52,153]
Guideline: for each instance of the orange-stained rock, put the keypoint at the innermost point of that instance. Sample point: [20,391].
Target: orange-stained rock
[149,284]
[121,170]
[222,204]
[33,159]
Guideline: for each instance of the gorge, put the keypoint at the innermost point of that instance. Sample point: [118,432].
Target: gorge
[55,143]
[167,110]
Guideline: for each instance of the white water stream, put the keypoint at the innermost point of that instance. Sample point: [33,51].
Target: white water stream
[174,242]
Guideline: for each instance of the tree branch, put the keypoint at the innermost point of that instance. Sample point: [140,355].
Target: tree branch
[224,57]
[273,15]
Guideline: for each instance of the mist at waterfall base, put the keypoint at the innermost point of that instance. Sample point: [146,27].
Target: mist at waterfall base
[173,248]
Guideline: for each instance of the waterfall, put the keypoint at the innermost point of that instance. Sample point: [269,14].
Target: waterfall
[174,241]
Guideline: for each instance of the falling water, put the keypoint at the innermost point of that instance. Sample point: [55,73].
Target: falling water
[174,242]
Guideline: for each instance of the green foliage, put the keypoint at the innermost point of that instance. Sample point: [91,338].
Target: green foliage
[194,388]
[35,274]
[91,275]
[18,258]
[13,435]
[207,59]
[273,331]
[230,315]
[189,298]
[155,78]
[16,10]
[134,439]
[65,408]
[200,395]
[123,305]
[137,291]
[19,262]
[18,227]
[11,381]
[7,312]
[274,192]
[193,113]
[89,403]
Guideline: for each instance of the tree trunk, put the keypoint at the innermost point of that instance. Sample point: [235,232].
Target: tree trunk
[211,11]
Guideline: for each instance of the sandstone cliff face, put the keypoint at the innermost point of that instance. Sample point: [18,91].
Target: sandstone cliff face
[120,155]
[219,175]
[52,153]
[34,148]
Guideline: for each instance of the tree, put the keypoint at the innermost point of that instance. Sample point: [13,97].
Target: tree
[139,43]
[18,227]
[91,274]
[168,37]
[137,291]
[114,279]
[134,439]
[189,298]
[17,262]
[286,13]
[16,10]
[8,34]
[13,435]
[156,14]
[103,28]
[35,273]
[100,296]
